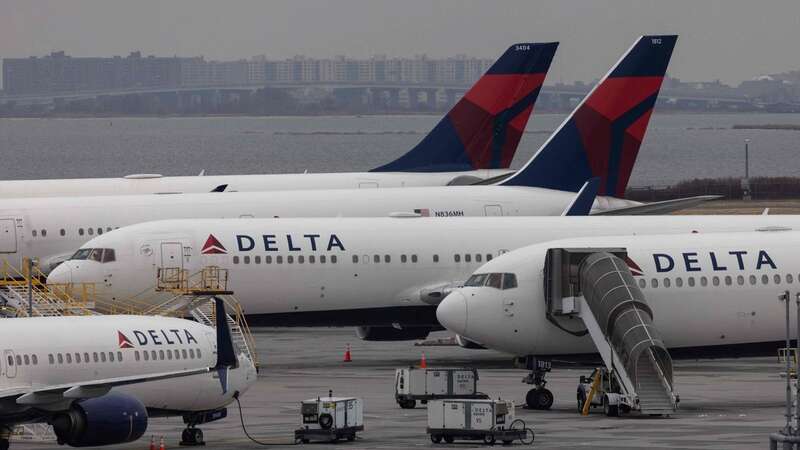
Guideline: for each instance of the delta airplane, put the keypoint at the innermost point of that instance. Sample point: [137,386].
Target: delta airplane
[599,139]
[476,140]
[98,379]
[710,294]
[384,275]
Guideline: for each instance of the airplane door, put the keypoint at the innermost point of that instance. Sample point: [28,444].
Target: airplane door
[8,236]
[493,210]
[172,254]
[11,365]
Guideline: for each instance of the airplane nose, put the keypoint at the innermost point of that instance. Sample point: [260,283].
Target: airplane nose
[62,274]
[452,312]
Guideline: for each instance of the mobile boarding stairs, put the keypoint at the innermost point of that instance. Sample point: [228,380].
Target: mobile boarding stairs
[598,286]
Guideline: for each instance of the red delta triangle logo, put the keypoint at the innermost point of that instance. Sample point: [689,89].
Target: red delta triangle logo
[124,342]
[213,247]
[634,268]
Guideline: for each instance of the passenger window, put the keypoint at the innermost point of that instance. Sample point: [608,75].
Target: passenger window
[50,359]
[312,259]
[753,280]
[509,281]
[109,228]
[355,259]
[488,257]
[60,358]
[666,282]
[435,258]
[177,354]
[99,231]
[467,258]
[247,259]
[290,259]
[94,357]
[119,356]
[654,283]
[494,280]
[78,358]
[777,278]
[27,360]
[183,353]
[764,279]
[478,257]
[62,232]
[404,258]
[161,355]
[153,355]
[703,281]
[257,259]
[35,360]
[136,355]
[10,360]
[413,258]
[678,282]
[322,259]
[691,281]
[728,280]
[236,260]
[457,257]
[715,281]
[102,356]
[740,280]
[191,353]
[268,259]
[33,233]
[68,356]
[301,259]
[279,259]
[44,233]
[110,356]
[80,231]
[376,259]
[146,355]
[642,283]
[333,259]
[90,231]
[169,354]
[198,354]
[789,278]
[387,259]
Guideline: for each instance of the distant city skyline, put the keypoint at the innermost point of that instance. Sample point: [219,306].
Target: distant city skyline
[729,40]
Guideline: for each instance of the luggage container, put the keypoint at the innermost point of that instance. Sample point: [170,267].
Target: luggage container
[412,384]
[330,419]
[476,419]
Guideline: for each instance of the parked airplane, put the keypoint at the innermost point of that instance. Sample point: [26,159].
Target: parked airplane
[385,275]
[707,293]
[97,379]
[51,229]
[476,140]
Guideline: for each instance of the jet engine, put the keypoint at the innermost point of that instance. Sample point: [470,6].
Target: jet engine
[392,333]
[466,343]
[114,418]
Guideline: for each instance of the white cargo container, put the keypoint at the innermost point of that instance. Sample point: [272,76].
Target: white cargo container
[330,418]
[475,419]
[412,384]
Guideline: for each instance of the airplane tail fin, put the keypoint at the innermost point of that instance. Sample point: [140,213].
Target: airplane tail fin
[226,352]
[483,129]
[602,136]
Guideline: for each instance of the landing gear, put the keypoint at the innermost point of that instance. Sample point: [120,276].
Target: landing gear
[192,437]
[5,433]
[539,397]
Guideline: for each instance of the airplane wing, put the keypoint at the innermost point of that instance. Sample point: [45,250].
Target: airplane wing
[43,395]
[658,208]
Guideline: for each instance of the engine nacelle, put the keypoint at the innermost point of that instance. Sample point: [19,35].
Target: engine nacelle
[466,343]
[392,333]
[111,419]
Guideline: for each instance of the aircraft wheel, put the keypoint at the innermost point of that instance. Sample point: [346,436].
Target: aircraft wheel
[436,438]
[539,399]
[609,409]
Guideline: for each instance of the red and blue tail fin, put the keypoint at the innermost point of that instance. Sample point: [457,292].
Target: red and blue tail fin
[483,129]
[601,138]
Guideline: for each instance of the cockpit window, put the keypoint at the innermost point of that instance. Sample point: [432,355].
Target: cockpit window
[476,280]
[101,255]
[494,280]
[509,281]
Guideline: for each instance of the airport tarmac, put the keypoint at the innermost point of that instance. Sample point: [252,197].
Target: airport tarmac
[725,403]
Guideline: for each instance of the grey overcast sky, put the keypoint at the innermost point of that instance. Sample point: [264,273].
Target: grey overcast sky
[731,40]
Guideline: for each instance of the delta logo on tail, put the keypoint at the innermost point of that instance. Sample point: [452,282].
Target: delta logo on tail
[124,342]
[483,129]
[213,247]
[602,137]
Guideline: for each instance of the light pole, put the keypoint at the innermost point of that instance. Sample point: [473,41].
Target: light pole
[747,158]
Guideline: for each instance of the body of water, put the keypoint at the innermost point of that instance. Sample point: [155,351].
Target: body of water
[676,147]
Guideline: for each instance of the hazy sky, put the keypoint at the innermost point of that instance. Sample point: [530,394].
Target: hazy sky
[731,40]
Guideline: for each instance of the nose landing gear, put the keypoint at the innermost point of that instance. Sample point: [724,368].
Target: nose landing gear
[539,397]
[192,436]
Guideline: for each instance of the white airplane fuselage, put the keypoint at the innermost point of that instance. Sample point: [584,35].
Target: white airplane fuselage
[371,272]
[52,228]
[156,184]
[52,351]
[706,291]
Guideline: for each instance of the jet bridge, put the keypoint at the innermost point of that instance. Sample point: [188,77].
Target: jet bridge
[597,286]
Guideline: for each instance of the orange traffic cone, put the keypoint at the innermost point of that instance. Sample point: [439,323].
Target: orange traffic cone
[161,447]
[347,356]
[422,363]
[152,442]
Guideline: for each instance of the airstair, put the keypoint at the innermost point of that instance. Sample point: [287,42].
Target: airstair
[25,293]
[597,286]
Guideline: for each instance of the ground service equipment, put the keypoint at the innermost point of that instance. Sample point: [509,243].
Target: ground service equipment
[412,384]
[330,419]
[476,419]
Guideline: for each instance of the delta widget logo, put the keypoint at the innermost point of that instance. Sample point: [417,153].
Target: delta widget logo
[124,342]
[213,247]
